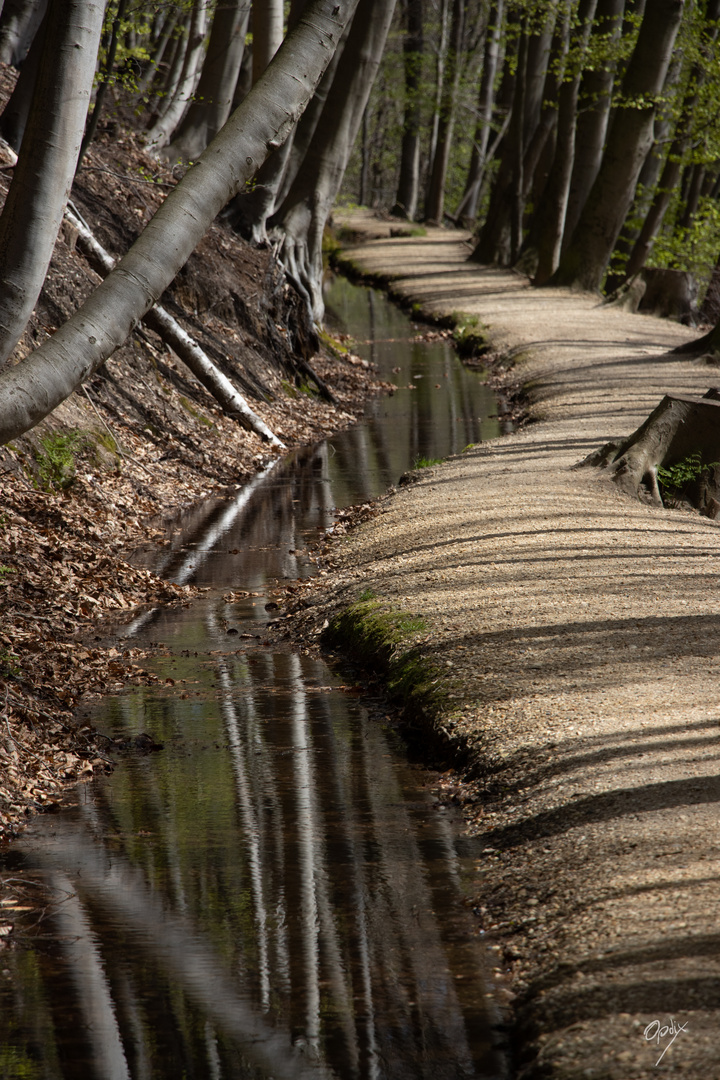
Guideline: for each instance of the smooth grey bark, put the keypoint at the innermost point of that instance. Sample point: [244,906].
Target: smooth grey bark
[468,206]
[182,344]
[13,120]
[212,101]
[443,7]
[162,130]
[406,197]
[501,235]
[46,164]
[594,111]
[585,260]
[555,196]
[267,30]
[36,385]
[301,219]
[435,202]
[20,22]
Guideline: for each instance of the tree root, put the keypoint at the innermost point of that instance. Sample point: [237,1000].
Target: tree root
[681,432]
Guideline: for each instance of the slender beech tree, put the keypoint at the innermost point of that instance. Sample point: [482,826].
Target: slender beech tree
[267,28]
[301,220]
[555,196]
[406,198]
[435,203]
[585,260]
[212,101]
[18,26]
[468,206]
[38,383]
[162,130]
[48,157]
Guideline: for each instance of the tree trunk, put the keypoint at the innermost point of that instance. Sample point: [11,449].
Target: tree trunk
[446,120]
[301,219]
[585,260]
[44,173]
[212,101]
[501,235]
[466,212]
[682,433]
[18,27]
[594,110]
[443,7]
[92,124]
[35,386]
[249,211]
[673,165]
[159,50]
[406,198]
[162,131]
[17,108]
[267,30]
[185,348]
[554,203]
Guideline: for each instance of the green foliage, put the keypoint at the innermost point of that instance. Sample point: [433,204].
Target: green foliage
[57,459]
[421,462]
[674,481]
[5,570]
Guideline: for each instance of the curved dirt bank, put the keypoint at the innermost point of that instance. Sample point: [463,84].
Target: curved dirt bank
[579,633]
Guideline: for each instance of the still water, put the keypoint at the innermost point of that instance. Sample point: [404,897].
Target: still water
[276,893]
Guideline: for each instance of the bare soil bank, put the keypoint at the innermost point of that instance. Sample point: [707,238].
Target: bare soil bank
[113,465]
[568,642]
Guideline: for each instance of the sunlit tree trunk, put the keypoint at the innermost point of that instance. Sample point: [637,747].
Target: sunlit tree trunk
[162,131]
[212,100]
[585,260]
[446,120]
[554,201]
[409,179]
[468,207]
[301,219]
[35,386]
[45,169]
[594,110]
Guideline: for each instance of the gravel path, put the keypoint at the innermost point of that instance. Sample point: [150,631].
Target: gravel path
[580,631]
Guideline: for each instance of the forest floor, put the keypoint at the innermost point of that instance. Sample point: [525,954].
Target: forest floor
[116,464]
[575,633]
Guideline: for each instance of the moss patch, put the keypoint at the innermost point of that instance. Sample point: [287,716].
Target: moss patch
[384,641]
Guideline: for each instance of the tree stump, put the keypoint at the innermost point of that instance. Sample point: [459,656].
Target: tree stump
[680,440]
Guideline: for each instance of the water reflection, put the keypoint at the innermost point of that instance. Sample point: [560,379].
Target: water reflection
[274,894]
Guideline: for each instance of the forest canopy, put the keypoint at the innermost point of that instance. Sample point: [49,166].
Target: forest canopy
[576,139]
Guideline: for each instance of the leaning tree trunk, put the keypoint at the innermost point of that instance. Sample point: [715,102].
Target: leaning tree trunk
[585,260]
[44,173]
[212,101]
[301,219]
[20,22]
[40,382]
[14,118]
[681,433]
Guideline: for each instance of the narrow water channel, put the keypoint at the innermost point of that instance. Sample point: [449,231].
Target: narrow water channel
[275,893]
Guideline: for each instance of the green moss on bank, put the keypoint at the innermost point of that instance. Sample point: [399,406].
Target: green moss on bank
[384,641]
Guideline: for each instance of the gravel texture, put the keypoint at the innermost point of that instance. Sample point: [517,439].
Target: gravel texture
[580,632]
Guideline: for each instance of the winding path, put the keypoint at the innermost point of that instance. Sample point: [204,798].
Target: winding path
[581,634]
